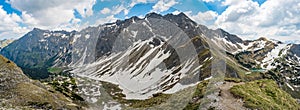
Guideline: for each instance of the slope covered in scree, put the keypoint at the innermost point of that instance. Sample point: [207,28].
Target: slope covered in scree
[147,58]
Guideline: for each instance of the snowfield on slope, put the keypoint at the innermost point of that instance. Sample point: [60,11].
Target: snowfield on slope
[143,78]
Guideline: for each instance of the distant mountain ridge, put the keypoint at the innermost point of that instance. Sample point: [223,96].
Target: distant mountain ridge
[5,42]
[156,54]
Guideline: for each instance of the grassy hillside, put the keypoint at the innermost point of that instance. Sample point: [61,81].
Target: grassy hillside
[17,91]
[264,94]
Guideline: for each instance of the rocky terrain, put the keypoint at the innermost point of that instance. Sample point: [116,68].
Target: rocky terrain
[154,61]
[17,91]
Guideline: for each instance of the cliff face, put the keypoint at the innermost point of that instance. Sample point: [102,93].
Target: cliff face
[20,92]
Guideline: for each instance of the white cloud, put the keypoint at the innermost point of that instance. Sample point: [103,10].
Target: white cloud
[119,8]
[287,30]
[234,12]
[28,19]
[49,14]
[115,10]
[176,12]
[8,19]
[232,2]
[209,0]
[105,11]
[163,5]
[205,18]
[275,19]
[53,15]
[9,26]
[134,2]
[107,19]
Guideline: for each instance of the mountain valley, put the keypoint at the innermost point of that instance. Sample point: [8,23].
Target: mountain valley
[156,62]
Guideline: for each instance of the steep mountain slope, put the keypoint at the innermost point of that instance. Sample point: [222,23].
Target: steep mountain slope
[151,58]
[277,60]
[19,92]
[38,47]
[144,54]
[264,94]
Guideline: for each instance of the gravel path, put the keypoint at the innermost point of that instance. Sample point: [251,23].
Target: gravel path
[227,100]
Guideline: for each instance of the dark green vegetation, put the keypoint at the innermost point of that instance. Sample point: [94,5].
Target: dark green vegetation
[40,73]
[63,82]
[36,73]
[155,100]
[236,80]
[66,86]
[55,70]
[206,68]
[199,93]
[264,94]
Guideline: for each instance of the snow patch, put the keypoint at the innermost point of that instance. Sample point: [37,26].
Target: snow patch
[134,33]
[279,51]
[42,40]
[142,78]
[76,37]
[208,78]
[64,36]
[252,46]
[87,36]
[46,35]
[112,106]
[179,87]
[290,86]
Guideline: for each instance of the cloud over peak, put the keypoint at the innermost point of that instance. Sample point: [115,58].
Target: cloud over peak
[250,19]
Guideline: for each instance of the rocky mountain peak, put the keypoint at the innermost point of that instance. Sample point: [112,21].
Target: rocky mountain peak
[146,53]
[230,37]
[262,39]
[37,29]
[153,15]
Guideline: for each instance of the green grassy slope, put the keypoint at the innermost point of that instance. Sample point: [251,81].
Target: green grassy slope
[264,94]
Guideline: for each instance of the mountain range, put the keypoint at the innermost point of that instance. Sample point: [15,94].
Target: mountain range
[155,56]
[5,42]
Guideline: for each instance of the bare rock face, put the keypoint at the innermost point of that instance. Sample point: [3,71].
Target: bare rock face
[144,55]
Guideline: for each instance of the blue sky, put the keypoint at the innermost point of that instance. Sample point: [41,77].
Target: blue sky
[250,19]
